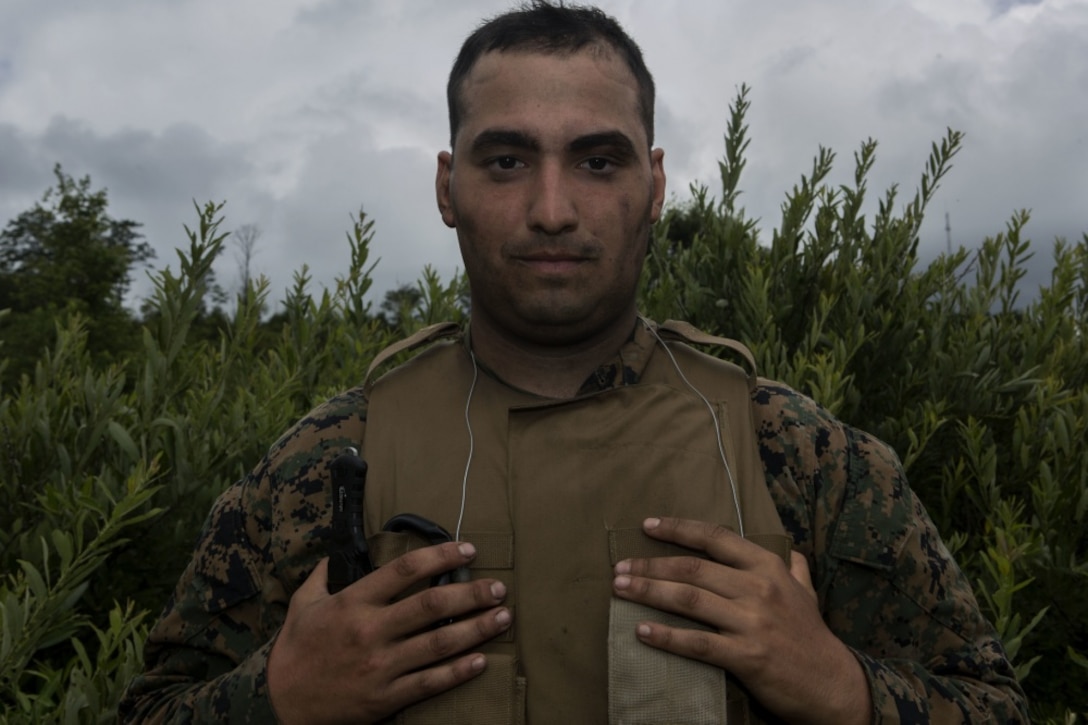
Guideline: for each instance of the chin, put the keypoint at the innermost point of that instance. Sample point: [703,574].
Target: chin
[564,327]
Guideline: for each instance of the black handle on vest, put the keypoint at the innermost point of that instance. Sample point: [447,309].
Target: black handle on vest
[433,533]
[349,555]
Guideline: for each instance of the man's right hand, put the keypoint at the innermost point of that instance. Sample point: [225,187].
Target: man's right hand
[358,656]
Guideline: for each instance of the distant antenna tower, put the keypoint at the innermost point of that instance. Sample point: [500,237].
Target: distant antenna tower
[948,232]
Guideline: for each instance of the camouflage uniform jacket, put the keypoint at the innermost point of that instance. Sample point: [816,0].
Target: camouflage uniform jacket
[886,584]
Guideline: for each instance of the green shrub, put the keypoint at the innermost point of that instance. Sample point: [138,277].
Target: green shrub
[110,468]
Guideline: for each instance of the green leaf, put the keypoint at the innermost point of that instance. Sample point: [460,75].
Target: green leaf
[35,581]
[122,437]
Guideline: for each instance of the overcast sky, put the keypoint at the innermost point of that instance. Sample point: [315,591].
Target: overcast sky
[297,113]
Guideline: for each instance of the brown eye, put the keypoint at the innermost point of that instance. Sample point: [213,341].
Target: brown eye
[506,163]
[599,164]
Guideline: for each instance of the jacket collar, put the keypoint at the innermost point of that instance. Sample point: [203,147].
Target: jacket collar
[625,367]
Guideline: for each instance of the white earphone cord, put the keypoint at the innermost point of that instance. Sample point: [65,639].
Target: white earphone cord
[717,426]
[471,445]
[709,407]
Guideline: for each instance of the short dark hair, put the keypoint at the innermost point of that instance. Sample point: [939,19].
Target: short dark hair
[543,27]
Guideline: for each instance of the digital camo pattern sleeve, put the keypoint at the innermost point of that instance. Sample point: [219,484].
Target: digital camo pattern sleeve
[205,659]
[887,585]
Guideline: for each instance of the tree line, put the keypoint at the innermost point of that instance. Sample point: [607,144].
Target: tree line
[68,256]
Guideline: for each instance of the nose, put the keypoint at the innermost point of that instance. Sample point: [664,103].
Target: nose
[552,208]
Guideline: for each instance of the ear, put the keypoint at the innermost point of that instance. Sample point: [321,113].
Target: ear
[657,170]
[443,178]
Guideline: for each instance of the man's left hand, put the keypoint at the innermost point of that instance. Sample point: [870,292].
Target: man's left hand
[770,634]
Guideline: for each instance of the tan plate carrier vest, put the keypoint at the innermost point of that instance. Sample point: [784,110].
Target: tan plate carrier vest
[556,495]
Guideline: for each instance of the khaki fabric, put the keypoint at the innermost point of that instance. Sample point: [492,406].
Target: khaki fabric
[557,483]
[649,687]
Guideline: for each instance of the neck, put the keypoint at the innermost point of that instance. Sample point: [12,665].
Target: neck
[552,370]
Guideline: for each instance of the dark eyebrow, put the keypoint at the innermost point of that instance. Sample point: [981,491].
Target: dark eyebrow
[613,139]
[498,137]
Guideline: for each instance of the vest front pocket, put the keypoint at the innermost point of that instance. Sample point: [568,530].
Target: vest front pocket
[496,697]
[649,686]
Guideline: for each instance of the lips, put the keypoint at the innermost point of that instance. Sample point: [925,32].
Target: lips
[553,254]
[552,262]
[551,258]
[552,268]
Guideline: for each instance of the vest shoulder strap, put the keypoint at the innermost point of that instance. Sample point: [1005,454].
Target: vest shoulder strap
[426,336]
[671,329]
[686,332]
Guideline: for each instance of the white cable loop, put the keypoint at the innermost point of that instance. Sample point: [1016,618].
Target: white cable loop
[471,445]
[675,364]
[713,417]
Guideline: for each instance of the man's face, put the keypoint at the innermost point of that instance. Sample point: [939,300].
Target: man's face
[552,189]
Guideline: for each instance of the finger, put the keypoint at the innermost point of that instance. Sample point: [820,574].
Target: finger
[800,572]
[436,604]
[719,542]
[684,599]
[407,570]
[717,649]
[704,573]
[434,645]
[420,685]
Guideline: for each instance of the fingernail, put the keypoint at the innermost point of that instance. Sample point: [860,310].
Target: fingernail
[467,550]
[624,567]
[478,663]
[498,590]
[651,523]
[643,630]
[502,617]
[621,582]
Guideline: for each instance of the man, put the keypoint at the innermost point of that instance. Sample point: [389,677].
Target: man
[593,471]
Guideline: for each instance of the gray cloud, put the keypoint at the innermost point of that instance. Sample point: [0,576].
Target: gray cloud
[338,178]
[130,164]
[298,115]
[1004,6]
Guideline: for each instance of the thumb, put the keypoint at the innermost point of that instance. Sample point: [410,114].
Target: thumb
[316,585]
[799,571]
